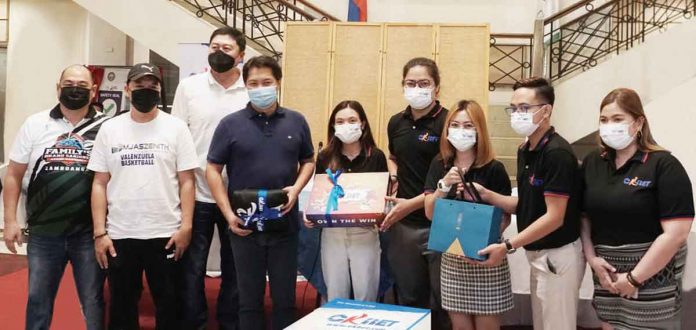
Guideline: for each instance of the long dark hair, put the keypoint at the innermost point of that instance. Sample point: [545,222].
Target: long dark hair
[332,152]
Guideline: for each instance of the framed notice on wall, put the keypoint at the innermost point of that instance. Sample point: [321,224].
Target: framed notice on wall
[111,81]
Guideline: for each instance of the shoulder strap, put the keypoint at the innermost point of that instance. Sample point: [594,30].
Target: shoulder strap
[80,130]
[86,126]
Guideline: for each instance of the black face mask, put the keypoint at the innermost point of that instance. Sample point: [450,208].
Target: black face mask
[74,98]
[145,100]
[220,62]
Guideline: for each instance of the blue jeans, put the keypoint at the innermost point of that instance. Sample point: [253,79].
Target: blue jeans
[48,256]
[194,308]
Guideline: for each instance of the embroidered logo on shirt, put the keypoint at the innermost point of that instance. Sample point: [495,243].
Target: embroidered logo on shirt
[535,182]
[635,182]
[426,137]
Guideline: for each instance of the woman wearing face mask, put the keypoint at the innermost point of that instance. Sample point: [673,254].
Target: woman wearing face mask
[639,209]
[350,257]
[473,294]
[414,137]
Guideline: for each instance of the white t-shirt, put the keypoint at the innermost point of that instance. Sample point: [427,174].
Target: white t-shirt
[143,160]
[202,102]
[39,131]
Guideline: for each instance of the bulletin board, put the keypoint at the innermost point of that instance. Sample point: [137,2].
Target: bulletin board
[328,62]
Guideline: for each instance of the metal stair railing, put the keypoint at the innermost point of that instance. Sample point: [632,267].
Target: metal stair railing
[579,37]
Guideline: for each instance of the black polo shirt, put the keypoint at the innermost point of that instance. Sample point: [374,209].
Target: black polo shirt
[372,160]
[262,152]
[492,176]
[627,205]
[549,169]
[413,144]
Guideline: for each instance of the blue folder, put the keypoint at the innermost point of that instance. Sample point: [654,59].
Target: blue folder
[463,228]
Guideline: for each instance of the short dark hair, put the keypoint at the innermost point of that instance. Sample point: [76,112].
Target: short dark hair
[237,35]
[429,64]
[542,88]
[262,61]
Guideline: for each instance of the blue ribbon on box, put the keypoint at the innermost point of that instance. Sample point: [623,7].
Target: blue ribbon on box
[336,193]
[259,214]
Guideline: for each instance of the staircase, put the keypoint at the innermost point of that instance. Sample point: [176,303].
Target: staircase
[505,141]
[577,43]
[644,45]
[262,21]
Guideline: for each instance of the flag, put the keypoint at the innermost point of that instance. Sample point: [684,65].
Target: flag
[357,10]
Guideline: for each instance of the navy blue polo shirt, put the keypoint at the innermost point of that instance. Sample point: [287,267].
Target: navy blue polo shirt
[262,152]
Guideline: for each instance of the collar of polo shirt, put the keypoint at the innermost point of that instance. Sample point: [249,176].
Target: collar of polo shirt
[280,111]
[542,143]
[237,84]
[57,114]
[639,157]
[432,114]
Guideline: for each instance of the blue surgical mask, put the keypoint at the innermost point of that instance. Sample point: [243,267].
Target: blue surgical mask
[263,97]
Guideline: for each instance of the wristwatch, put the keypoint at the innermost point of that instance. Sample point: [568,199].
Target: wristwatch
[441,186]
[509,247]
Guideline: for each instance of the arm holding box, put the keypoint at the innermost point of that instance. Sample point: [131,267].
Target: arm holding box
[213,175]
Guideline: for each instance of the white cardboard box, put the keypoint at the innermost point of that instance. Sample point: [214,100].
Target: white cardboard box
[351,314]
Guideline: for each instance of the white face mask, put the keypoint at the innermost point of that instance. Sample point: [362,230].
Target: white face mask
[418,98]
[461,138]
[348,133]
[523,123]
[616,135]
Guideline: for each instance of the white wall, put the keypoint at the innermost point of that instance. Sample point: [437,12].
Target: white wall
[159,25]
[653,69]
[504,16]
[672,117]
[106,45]
[45,37]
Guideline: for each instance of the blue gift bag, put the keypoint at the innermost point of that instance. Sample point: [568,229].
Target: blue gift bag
[464,228]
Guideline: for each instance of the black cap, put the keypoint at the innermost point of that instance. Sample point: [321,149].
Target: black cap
[144,69]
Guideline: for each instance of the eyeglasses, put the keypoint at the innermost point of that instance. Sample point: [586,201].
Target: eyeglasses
[522,108]
[425,83]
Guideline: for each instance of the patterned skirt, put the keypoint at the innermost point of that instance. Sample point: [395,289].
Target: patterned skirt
[659,301]
[474,289]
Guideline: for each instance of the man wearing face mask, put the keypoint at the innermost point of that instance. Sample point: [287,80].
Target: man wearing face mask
[263,147]
[202,101]
[143,163]
[547,209]
[48,162]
